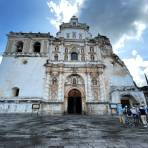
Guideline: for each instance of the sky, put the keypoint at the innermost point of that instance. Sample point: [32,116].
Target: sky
[125,22]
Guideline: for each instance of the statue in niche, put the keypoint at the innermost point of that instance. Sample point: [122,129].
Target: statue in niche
[66,57]
[54,88]
[66,50]
[54,81]
[95,95]
[74,81]
[94,81]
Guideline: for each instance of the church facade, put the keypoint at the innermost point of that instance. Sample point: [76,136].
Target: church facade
[72,73]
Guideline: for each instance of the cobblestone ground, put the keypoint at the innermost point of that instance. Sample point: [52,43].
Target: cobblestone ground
[26,131]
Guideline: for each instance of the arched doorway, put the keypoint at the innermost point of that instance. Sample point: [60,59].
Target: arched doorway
[128,100]
[74,102]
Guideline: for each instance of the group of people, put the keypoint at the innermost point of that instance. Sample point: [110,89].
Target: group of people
[135,116]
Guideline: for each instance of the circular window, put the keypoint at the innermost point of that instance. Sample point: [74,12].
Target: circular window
[24,61]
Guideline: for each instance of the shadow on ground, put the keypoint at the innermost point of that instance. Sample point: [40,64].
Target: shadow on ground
[31,131]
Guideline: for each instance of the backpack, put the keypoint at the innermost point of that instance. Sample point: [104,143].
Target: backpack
[129,113]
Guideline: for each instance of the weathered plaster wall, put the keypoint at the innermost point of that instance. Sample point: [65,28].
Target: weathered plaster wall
[28,77]
[15,108]
[117,75]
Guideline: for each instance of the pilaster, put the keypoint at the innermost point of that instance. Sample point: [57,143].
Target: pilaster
[102,90]
[61,87]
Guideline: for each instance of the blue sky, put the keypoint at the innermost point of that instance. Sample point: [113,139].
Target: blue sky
[25,16]
[125,22]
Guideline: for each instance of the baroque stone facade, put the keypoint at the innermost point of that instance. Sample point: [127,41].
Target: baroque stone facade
[70,73]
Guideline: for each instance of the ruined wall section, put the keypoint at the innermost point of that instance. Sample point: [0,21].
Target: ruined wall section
[28,40]
[117,72]
[119,81]
[120,75]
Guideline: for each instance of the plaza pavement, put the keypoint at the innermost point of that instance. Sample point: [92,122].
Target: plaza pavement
[69,131]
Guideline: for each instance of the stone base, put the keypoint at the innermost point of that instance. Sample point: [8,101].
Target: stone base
[97,108]
[50,108]
[31,106]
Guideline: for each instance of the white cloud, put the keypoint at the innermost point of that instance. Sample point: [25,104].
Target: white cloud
[145,9]
[1,59]
[63,10]
[137,67]
[137,35]
[134,52]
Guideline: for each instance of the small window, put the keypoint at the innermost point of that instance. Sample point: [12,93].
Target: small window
[37,47]
[57,48]
[91,49]
[15,92]
[74,56]
[94,81]
[19,46]
[54,81]
[74,81]
[68,35]
[92,58]
[74,23]
[82,50]
[80,36]
[74,35]
[56,57]
[66,50]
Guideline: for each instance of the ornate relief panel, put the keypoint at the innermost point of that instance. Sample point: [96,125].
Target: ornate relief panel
[74,79]
[95,87]
[54,87]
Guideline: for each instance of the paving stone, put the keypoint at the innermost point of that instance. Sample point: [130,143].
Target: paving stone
[69,132]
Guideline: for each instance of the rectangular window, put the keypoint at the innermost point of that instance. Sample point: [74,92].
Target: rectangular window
[57,48]
[74,35]
[80,36]
[91,49]
[74,23]
[68,35]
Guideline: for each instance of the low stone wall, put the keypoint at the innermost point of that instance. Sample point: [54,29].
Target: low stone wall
[52,108]
[97,108]
[15,107]
[32,107]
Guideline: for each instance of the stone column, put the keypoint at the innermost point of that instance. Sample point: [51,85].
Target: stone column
[61,86]
[86,88]
[31,47]
[102,90]
[50,48]
[62,51]
[10,46]
[27,43]
[44,48]
[47,92]
[86,50]
[89,93]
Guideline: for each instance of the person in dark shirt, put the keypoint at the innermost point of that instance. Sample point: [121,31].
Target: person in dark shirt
[143,115]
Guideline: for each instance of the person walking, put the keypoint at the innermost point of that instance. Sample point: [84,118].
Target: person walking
[128,116]
[120,113]
[135,114]
[143,115]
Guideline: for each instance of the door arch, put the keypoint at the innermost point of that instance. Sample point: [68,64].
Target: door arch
[128,100]
[74,102]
